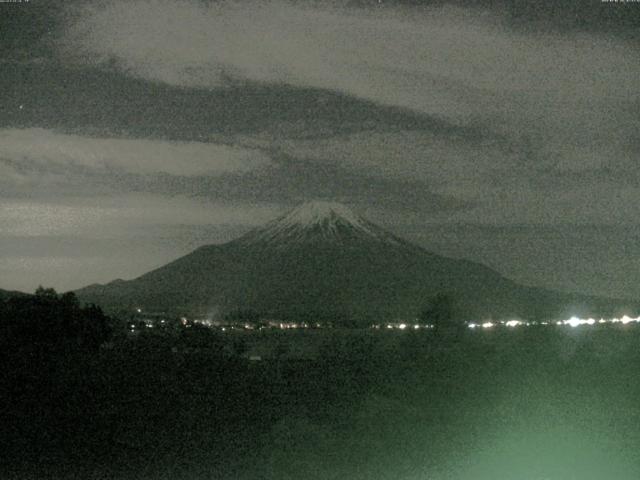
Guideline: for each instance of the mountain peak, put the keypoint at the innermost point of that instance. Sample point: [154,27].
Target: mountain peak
[319,212]
[315,220]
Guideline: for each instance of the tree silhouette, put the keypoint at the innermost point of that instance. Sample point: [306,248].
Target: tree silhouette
[46,293]
[48,321]
[439,311]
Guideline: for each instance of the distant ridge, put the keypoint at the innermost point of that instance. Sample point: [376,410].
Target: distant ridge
[323,261]
[6,294]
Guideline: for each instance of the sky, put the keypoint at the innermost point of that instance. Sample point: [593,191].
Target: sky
[505,132]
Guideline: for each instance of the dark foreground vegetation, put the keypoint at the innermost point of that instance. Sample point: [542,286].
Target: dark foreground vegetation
[538,403]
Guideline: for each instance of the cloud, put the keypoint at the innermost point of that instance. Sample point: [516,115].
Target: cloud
[48,149]
[408,155]
[75,241]
[43,165]
[113,216]
[441,61]
[560,102]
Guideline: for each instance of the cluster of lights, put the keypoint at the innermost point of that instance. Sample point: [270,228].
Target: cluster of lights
[204,322]
[626,320]
[405,326]
[250,326]
[572,322]
[576,322]
[286,326]
[481,325]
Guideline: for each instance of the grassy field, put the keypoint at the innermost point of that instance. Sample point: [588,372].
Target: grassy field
[551,403]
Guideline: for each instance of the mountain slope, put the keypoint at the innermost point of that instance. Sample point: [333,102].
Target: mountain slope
[321,261]
[7,294]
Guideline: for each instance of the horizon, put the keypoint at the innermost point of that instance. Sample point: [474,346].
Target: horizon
[304,214]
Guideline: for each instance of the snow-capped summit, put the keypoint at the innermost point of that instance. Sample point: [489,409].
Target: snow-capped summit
[314,213]
[319,220]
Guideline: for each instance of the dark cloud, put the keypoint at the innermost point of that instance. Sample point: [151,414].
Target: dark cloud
[294,181]
[574,15]
[287,182]
[27,29]
[106,102]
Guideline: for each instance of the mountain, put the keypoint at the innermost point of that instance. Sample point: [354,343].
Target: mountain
[321,261]
[7,294]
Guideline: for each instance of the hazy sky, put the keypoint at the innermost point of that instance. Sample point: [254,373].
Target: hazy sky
[507,132]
